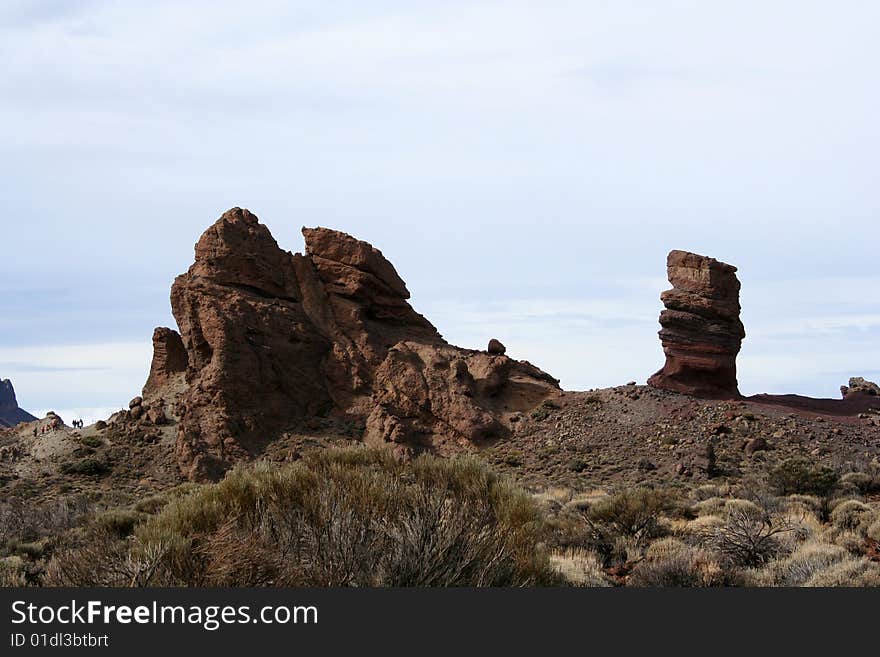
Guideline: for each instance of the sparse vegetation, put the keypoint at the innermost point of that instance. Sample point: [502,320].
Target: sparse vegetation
[337,518]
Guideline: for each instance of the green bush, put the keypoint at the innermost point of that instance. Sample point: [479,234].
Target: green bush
[90,467]
[119,522]
[633,513]
[797,475]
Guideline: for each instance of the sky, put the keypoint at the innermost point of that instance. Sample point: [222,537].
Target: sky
[526,167]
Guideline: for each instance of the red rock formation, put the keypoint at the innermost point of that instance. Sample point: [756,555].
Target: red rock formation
[273,338]
[701,330]
[169,362]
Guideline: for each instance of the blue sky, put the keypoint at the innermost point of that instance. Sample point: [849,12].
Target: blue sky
[526,166]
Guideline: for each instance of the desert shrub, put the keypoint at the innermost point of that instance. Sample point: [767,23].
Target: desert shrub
[119,522]
[664,548]
[13,572]
[632,513]
[850,541]
[543,410]
[717,506]
[713,506]
[91,467]
[874,530]
[29,521]
[101,558]
[684,567]
[708,491]
[748,536]
[809,559]
[798,475]
[863,483]
[91,441]
[853,516]
[804,503]
[579,568]
[342,517]
[849,572]
[33,550]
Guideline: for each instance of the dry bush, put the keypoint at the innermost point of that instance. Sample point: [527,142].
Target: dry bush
[664,548]
[717,506]
[13,572]
[28,522]
[849,572]
[748,536]
[804,504]
[681,566]
[808,560]
[853,516]
[708,491]
[351,517]
[579,568]
[863,483]
[874,531]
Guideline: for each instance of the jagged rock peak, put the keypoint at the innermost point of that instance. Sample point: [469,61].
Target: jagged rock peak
[700,331]
[341,248]
[10,413]
[238,250]
[272,339]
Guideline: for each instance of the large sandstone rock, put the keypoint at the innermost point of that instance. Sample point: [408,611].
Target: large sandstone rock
[700,327]
[271,339]
[10,413]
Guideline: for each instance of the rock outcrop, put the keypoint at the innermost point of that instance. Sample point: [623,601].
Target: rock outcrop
[10,413]
[271,339]
[169,363]
[859,386]
[700,331]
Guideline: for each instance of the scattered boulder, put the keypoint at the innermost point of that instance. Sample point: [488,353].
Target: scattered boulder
[704,459]
[753,445]
[156,415]
[700,331]
[137,401]
[859,386]
[495,347]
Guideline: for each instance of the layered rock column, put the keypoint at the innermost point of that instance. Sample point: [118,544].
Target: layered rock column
[701,331]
